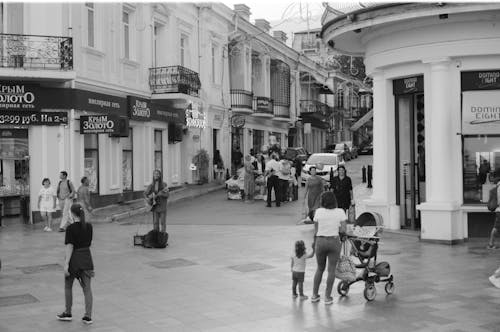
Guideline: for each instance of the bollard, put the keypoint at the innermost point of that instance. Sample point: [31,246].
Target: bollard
[363,172]
[370,175]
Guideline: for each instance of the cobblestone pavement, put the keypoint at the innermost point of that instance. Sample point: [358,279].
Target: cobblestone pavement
[230,272]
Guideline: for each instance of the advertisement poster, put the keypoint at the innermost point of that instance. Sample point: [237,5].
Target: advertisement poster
[90,171]
[481,112]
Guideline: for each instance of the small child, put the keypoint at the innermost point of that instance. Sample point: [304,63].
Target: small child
[298,268]
[47,203]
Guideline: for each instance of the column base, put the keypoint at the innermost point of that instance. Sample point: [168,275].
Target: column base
[388,211]
[441,223]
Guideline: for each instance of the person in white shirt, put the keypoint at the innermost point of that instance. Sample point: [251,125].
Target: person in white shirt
[298,267]
[47,203]
[329,221]
[272,169]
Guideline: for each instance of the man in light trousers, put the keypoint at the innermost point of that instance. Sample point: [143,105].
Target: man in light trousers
[65,194]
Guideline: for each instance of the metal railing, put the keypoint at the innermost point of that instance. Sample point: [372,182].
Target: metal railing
[174,79]
[263,105]
[281,110]
[314,106]
[36,52]
[241,99]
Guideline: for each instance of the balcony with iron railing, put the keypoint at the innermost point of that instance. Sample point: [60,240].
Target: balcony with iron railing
[34,52]
[263,107]
[174,79]
[308,106]
[241,101]
[281,111]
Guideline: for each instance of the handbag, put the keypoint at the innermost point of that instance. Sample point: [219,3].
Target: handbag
[346,269]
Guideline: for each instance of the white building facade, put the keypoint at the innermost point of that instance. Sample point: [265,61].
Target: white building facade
[436,89]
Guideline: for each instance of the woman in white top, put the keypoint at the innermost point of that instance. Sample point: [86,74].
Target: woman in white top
[47,203]
[329,220]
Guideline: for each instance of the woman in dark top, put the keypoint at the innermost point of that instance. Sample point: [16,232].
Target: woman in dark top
[157,195]
[78,263]
[314,188]
[342,188]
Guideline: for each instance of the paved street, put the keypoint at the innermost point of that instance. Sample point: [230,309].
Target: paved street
[227,269]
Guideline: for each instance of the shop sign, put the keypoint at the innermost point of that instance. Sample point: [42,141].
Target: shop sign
[139,109]
[99,124]
[19,97]
[238,121]
[195,118]
[481,112]
[408,85]
[33,118]
[481,80]
[167,114]
[263,105]
[100,103]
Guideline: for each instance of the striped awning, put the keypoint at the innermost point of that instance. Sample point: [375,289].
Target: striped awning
[364,119]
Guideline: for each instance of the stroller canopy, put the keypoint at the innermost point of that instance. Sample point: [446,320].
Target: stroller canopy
[369,219]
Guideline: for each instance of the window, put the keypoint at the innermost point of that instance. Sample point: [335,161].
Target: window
[158,150]
[340,98]
[258,140]
[91,161]
[90,24]
[184,50]
[213,64]
[126,34]
[127,162]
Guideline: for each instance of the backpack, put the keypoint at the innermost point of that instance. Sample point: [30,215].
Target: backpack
[493,200]
[155,239]
[70,187]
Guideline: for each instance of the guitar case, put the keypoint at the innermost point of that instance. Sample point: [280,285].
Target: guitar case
[155,239]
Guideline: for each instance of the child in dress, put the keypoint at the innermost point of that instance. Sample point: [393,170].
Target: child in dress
[299,268]
[47,203]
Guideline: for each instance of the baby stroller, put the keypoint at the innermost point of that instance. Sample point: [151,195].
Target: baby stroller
[364,239]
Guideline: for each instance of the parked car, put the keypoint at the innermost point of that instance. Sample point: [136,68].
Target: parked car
[352,149]
[298,152]
[342,149]
[367,149]
[326,163]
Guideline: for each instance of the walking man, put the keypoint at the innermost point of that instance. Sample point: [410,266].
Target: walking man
[65,194]
[272,169]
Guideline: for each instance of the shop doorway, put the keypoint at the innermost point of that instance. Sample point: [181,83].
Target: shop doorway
[14,176]
[410,154]
[236,149]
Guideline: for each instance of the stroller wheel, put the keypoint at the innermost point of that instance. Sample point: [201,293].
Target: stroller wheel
[389,287]
[370,292]
[343,288]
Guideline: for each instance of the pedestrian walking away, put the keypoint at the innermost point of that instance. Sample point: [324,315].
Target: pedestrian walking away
[298,267]
[329,221]
[314,188]
[342,188]
[65,194]
[83,198]
[47,203]
[496,225]
[156,195]
[78,263]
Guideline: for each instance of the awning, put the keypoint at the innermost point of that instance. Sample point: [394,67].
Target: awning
[364,119]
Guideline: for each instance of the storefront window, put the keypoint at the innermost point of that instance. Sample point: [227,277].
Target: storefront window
[158,150]
[91,161]
[481,165]
[258,140]
[127,162]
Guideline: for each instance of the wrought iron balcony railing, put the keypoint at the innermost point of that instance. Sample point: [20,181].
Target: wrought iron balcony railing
[263,105]
[314,106]
[174,79]
[281,110]
[241,99]
[36,52]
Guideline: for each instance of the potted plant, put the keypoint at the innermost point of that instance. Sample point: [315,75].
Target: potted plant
[202,161]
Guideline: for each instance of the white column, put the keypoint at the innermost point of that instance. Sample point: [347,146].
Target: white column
[440,213]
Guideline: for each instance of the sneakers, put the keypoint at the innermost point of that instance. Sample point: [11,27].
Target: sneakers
[47,229]
[304,297]
[494,281]
[62,230]
[87,320]
[329,300]
[491,246]
[294,296]
[65,317]
[315,298]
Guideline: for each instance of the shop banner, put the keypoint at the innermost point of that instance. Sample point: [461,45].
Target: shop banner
[21,97]
[139,109]
[33,118]
[481,80]
[100,103]
[167,114]
[481,112]
[408,85]
[99,124]
[195,117]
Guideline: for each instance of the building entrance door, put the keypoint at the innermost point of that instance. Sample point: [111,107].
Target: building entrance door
[410,156]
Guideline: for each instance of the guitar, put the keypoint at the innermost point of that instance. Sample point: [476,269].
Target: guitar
[152,201]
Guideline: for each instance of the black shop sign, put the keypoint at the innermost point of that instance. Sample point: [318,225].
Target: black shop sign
[139,109]
[408,85]
[20,97]
[99,124]
[480,80]
[33,118]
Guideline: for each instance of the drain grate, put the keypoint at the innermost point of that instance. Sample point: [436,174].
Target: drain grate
[251,267]
[7,301]
[172,263]
[40,268]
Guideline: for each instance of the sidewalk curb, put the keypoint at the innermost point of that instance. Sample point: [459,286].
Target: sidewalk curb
[141,210]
